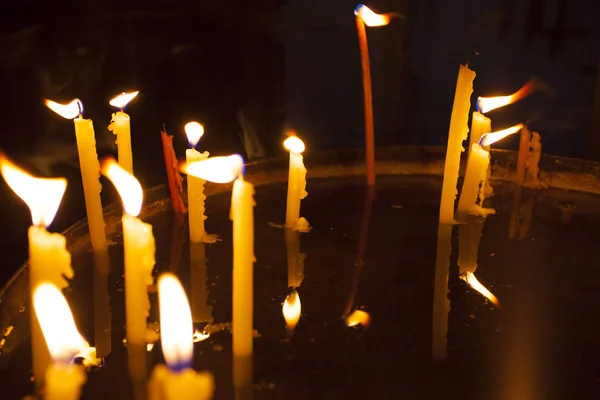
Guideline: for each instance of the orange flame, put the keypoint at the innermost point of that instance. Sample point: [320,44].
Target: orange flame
[193,131]
[470,278]
[123,99]
[56,320]
[371,18]
[42,195]
[493,137]
[216,169]
[127,185]
[358,317]
[294,144]
[68,111]
[292,310]
[486,104]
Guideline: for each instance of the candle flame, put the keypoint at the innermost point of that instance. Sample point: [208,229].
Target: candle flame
[486,104]
[292,309]
[470,278]
[216,169]
[294,144]
[127,185]
[175,322]
[42,195]
[371,18]
[358,317]
[194,132]
[56,320]
[68,111]
[493,137]
[199,336]
[123,99]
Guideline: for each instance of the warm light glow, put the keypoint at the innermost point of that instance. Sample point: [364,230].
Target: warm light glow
[127,185]
[200,336]
[216,169]
[175,322]
[294,144]
[292,310]
[194,132]
[123,99]
[68,111]
[358,317]
[470,278]
[42,195]
[493,137]
[486,104]
[371,18]
[56,321]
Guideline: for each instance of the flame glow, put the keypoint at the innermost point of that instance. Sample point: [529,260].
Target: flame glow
[493,137]
[486,104]
[199,336]
[123,99]
[216,169]
[175,322]
[292,310]
[294,144]
[42,195]
[371,18]
[127,185]
[53,312]
[68,111]
[194,132]
[470,278]
[358,317]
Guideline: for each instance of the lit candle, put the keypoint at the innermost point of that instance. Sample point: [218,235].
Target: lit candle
[471,195]
[292,308]
[49,259]
[90,169]
[480,125]
[296,181]
[295,259]
[63,378]
[364,16]
[120,126]
[223,170]
[195,185]
[178,381]
[456,135]
[139,249]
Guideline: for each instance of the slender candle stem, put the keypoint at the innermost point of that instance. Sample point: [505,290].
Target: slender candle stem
[368,101]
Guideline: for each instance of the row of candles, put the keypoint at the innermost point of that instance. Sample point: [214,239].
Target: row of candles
[50,262]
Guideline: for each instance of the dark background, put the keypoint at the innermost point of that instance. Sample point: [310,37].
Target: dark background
[284,65]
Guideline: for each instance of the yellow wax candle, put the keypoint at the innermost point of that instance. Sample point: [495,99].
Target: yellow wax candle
[480,125]
[201,311]
[223,170]
[120,126]
[472,193]
[296,180]
[469,235]
[178,381]
[195,185]
[90,169]
[295,259]
[138,248]
[49,259]
[63,378]
[456,135]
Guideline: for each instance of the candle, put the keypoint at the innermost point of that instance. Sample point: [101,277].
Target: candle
[120,126]
[533,162]
[195,186]
[175,180]
[179,381]
[63,378]
[292,308]
[364,16]
[480,125]
[472,195]
[295,259]
[90,169]
[49,259]
[296,181]
[139,249]
[223,170]
[519,179]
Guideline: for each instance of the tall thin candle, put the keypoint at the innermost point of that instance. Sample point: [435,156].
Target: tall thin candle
[121,127]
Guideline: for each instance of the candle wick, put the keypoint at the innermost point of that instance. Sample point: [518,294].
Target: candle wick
[475,53]
[121,109]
